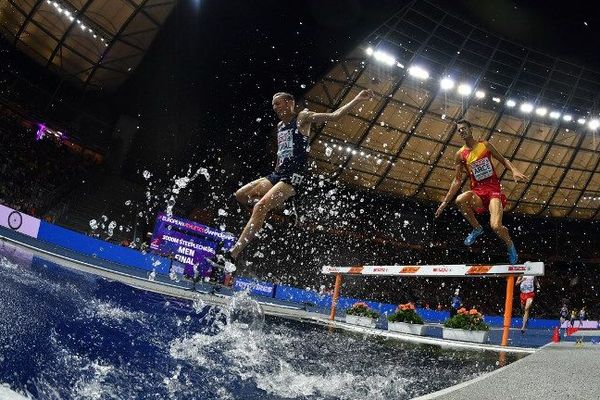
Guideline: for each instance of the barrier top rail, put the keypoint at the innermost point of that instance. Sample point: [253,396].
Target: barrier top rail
[444,270]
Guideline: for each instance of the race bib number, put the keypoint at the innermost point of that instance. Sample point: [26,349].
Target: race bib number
[285,145]
[296,179]
[482,169]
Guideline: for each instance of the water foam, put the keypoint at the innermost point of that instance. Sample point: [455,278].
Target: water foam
[6,393]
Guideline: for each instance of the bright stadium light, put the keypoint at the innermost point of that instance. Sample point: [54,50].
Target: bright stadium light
[594,124]
[555,115]
[581,121]
[418,72]
[541,111]
[480,94]
[567,118]
[384,58]
[511,103]
[526,107]
[464,89]
[496,99]
[369,51]
[446,84]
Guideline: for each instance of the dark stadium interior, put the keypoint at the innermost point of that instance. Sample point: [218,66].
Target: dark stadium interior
[198,98]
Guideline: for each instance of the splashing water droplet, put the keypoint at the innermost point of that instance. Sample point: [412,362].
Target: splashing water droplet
[152,275]
[246,313]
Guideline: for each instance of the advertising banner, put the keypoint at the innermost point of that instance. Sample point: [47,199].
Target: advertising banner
[96,248]
[254,286]
[189,242]
[17,221]
[581,324]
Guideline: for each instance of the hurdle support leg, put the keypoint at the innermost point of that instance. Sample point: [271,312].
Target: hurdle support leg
[336,295]
[508,303]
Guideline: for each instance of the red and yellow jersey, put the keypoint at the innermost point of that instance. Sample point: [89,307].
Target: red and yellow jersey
[478,162]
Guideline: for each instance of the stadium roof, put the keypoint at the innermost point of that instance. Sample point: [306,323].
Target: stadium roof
[96,43]
[539,111]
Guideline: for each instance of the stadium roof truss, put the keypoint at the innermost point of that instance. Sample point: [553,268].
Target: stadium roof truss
[404,143]
[96,43]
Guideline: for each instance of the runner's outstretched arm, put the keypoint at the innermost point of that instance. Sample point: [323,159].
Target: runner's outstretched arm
[318,118]
[454,187]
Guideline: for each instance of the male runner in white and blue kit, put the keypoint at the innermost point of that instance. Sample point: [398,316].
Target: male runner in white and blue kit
[293,132]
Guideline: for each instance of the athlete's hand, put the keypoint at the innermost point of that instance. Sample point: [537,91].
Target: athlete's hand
[517,175]
[440,209]
[364,95]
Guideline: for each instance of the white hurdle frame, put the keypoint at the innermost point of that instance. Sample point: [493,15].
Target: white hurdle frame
[444,270]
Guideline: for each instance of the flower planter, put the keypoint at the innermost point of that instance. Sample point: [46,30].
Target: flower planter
[465,336]
[361,321]
[405,327]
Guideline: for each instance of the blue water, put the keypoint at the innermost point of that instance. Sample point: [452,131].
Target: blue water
[70,335]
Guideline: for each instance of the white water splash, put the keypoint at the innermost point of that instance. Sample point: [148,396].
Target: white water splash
[111,228]
[152,275]
[253,356]
[6,393]
[94,388]
[109,311]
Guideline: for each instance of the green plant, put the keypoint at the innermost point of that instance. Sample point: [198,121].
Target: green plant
[471,320]
[362,310]
[405,313]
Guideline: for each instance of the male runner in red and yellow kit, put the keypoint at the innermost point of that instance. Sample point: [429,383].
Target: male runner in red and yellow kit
[475,157]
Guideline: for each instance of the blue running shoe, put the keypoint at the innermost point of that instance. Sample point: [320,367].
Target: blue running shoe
[475,233]
[513,257]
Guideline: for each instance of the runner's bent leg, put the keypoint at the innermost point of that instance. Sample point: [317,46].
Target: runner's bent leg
[467,203]
[275,197]
[528,304]
[496,221]
[253,191]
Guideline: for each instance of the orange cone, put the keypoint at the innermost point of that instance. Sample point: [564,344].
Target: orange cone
[556,335]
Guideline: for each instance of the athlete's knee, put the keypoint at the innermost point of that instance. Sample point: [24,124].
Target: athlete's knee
[241,196]
[496,226]
[463,198]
